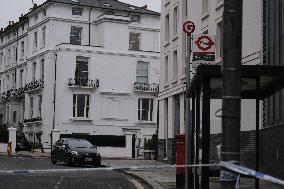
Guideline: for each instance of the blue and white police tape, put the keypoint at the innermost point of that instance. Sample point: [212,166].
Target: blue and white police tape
[81,170]
[250,172]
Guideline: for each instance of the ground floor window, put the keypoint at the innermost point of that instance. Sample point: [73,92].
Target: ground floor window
[81,105]
[145,109]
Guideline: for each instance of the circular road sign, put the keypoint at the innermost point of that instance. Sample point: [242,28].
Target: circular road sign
[204,43]
[188,27]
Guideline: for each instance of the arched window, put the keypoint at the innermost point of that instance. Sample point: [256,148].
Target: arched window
[14,116]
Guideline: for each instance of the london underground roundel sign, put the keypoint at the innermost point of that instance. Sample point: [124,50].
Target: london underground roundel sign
[204,43]
[188,27]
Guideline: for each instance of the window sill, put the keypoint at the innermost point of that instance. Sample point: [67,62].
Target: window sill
[205,15]
[167,43]
[174,81]
[175,37]
[80,119]
[183,77]
[145,122]
[166,85]
[113,119]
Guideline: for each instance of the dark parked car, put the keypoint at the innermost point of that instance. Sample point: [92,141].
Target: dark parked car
[75,151]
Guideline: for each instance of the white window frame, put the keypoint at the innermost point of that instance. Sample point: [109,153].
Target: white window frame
[31,107]
[150,113]
[166,68]
[131,47]
[167,28]
[205,7]
[34,71]
[175,65]
[73,11]
[175,21]
[80,34]
[40,105]
[137,72]
[23,49]
[42,69]
[35,39]
[43,39]
[133,16]
[86,106]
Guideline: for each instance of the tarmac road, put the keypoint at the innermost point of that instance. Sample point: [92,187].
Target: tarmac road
[94,180]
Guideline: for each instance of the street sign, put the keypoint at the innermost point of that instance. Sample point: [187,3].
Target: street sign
[188,27]
[203,50]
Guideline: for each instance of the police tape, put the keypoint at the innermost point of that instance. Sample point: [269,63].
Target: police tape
[249,172]
[227,165]
[82,170]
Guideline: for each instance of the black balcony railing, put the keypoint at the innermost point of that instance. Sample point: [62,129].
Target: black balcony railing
[20,92]
[79,82]
[38,84]
[146,87]
[32,120]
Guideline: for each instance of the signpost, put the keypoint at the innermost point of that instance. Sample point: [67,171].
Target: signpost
[188,28]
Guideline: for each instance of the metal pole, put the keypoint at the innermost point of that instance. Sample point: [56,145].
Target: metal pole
[205,133]
[257,132]
[231,70]
[197,139]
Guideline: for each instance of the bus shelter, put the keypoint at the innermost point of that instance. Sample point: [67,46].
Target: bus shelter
[258,82]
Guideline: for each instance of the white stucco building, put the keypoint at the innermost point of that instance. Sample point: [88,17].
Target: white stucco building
[83,68]
[207,16]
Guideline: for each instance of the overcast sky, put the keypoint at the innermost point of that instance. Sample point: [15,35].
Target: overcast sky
[12,9]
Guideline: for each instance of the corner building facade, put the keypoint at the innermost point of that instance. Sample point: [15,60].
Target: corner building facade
[82,68]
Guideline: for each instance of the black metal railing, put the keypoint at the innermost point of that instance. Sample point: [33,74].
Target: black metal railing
[20,92]
[31,120]
[79,82]
[38,84]
[146,87]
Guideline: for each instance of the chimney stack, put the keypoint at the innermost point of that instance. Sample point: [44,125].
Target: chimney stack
[145,7]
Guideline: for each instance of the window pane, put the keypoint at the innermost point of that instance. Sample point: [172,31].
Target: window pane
[80,105]
[142,79]
[75,37]
[76,11]
[88,100]
[134,40]
[139,118]
[142,72]
[145,104]
[74,111]
[144,115]
[74,100]
[87,112]
[135,18]
[82,68]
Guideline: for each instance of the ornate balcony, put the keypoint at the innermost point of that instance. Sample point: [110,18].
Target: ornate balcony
[146,87]
[83,83]
[33,121]
[13,93]
[33,86]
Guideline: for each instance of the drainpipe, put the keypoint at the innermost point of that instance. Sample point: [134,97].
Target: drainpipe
[54,99]
[90,26]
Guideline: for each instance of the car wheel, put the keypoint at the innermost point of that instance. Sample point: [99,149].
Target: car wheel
[53,160]
[97,163]
[68,160]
